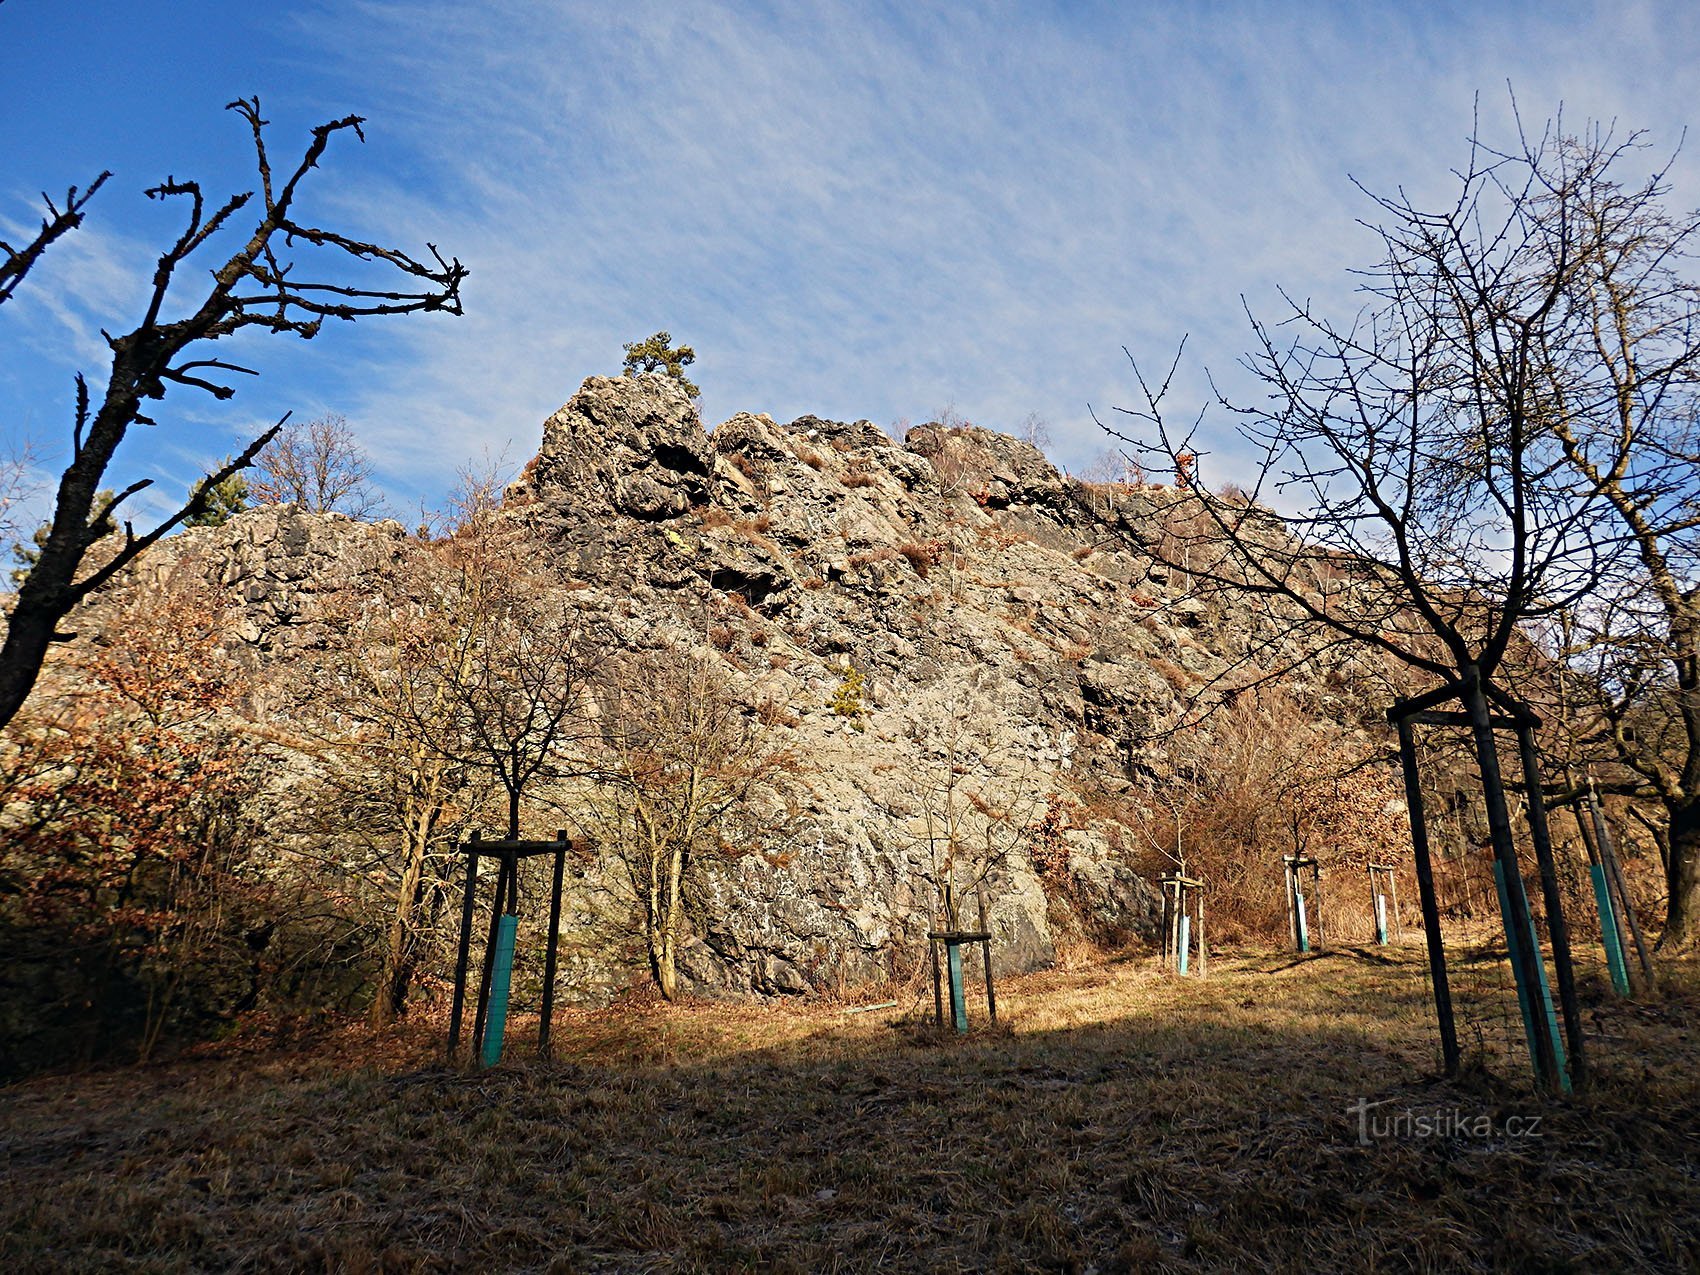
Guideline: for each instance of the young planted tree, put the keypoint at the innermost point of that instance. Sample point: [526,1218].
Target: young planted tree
[972,794]
[255,286]
[687,775]
[461,673]
[16,463]
[1435,515]
[521,658]
[1264,777]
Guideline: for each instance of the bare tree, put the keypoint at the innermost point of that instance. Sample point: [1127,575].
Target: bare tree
[318,465]
[686,771]
[518,660]
[383,798]
[253,287]
[1435,516]
[59,221]
[16,462]
[460,673]
[1626,413]
[973,794]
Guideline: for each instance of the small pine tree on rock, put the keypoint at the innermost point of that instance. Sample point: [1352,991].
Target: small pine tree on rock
[224,501]
[658,355]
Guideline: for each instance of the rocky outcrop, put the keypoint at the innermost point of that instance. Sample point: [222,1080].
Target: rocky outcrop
[975,590]
[278,565]
[1012,653]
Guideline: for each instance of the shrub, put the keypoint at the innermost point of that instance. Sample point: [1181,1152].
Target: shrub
[847,699]
[921,557]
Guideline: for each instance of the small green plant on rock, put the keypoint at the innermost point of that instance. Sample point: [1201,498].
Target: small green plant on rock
[847,699]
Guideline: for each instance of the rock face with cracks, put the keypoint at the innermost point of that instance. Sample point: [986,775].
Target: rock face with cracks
[996,630]
[946,630]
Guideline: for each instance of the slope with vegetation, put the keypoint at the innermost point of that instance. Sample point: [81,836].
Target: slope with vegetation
[923,663]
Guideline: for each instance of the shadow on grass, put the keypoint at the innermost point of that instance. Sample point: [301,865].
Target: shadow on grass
[1125,1119]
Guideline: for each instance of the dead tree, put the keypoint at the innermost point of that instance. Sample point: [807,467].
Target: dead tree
[255,287]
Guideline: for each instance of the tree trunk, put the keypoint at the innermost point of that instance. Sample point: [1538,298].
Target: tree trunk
[1682,922]
[393,984]
[667,967]
[34,621]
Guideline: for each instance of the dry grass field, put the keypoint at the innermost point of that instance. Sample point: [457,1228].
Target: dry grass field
[1119,1119]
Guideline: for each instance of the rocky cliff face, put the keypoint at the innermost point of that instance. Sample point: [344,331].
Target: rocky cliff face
[950,633]
[986,604]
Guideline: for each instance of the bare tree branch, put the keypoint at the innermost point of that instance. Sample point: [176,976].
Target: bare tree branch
[18,262]
[252,288]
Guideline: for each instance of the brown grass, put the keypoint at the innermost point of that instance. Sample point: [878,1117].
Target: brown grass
[1121,1119]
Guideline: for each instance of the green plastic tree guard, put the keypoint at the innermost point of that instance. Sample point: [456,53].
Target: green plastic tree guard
[490,1048]
[1608,929]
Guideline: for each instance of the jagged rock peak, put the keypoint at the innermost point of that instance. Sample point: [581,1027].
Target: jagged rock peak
[635,442]
[635,445]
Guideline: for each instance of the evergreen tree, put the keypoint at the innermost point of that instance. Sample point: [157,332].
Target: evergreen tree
[225,500]
[658,355]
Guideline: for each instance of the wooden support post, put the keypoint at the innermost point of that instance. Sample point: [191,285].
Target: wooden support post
[1393,887]
[1163,919]
[547,1016]
[1203,951]
[1450,1058]
[1291,895]
[1172,934]
[938,992]
[986,956]
[1316,885]
[464,952]
[1558,928]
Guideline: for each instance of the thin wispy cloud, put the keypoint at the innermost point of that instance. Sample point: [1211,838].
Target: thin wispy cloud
[866,210]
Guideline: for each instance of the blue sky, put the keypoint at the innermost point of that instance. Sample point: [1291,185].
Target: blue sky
[850,209]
